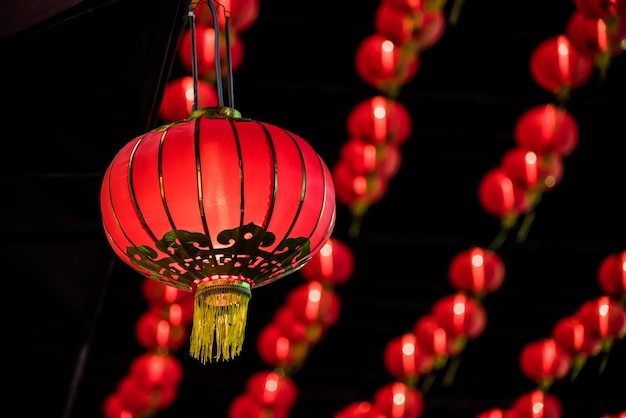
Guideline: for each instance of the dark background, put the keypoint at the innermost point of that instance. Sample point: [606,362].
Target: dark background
[79,82]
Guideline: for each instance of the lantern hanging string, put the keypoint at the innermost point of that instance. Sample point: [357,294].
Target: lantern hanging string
[229,62]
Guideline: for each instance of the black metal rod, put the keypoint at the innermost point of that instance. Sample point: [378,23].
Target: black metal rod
[194,56]
[218,66]
[229,61]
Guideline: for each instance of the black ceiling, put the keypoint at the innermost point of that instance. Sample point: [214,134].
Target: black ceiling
[77,86]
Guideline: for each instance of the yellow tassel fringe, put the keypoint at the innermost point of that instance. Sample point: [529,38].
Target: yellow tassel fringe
[219,319]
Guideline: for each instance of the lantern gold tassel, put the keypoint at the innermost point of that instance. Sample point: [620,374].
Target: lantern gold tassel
[219,319]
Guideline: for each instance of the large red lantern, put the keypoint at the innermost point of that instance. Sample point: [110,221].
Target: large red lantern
[216,205]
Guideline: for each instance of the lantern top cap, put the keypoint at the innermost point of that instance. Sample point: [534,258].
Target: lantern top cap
[216,112]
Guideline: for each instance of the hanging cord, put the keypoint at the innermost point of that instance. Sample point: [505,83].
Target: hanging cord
[231,99]
[194,55]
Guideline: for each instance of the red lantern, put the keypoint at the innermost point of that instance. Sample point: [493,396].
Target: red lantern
[112,408]
[477,270]
[537,404]
[217,205]
[312,303]
[600,9]
[242,13]
[569,333]
[420,26]
[138,398]
[245,406]
[154,330]
[521,166]
[545,129]
[156,370]
[205,52]
[364,158]
[380,120]
[612,275]
[496,413]
[434,338]
[297,329]
[272,390]
[159,294]
[332,265]
[496,193]
[558,67]
[460,316]
[544,361]
[603,318]
[406,360]
[359,410]
[383,64]
[353,189]
[398,400]
[178,98]
[588,36]
[550,171]
[278,350]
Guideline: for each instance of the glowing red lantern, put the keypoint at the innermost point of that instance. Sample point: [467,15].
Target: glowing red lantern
[178,98]
[150,370]
[273,390]
[569,333]
[612,275]
[380,120]
[364,158]
[312,303]
[496,193]
[496,413]
[603,318]
[588,36]
[154,330]
[245,406]
[521,166]
[138,398]
[544,361]
[159,294]
[354,189]
[460,316]
[278,350]
[359,410]
[434,338]
[242,13]
[112,407]
[217,204]
[297,329]
[537,404]
[406,360]
[398,400]
[477,270]
[332,265]
[383,64]
[420,26]
[558,67]
[550,171]
[545,129]
[205,52]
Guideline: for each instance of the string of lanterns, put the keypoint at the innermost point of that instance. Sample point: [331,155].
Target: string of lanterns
[544,135]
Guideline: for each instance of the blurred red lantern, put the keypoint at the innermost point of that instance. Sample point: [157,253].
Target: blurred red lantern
[521,166]
[312,303]
[420,26]
[497,413]
[278,350]
[383,64]
[332,265]
[397,400]
[112,408]
[364,158]
[159,294]
[245,406]
[569,333]
[612,275]
[406,360]
[603,317]
[476,270]
[216,205]
[588,36]
[153,330]
[354,189]
[178,98]
[272,390]
[434,338]
[550,171]
[537,404]
[544,361]
[359,410]
[496,193]
[380,120]
[242,13]
[558,67]
[600,9]
[296,328]
[205,52]
[545,129]
[138,398]
[150,370]
[460,316]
